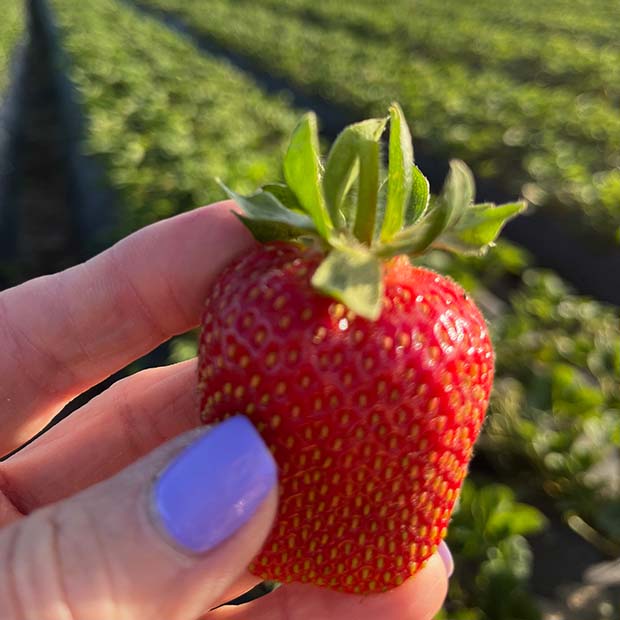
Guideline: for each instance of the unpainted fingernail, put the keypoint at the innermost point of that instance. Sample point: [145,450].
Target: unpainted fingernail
[215,485]
[446,557]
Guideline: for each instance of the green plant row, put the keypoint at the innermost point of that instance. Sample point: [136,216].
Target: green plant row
[12,26]
[162,119]
[561,149]
[556,407]
[591,20]
[492,573]
[556,59]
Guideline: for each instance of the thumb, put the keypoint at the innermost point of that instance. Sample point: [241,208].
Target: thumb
[163,539]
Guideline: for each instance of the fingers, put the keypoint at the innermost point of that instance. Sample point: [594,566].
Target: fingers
[119,426]
[419,598]
[166,538]
[63,333]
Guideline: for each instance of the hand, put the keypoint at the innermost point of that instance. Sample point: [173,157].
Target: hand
[125,509]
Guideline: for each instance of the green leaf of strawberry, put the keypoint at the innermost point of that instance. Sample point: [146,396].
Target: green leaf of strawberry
[453,222]
[477,228]
[458,191]
[420,196]
[367,376]
[410,225]
[269,220]
[367,192]
[342,166]
[400,173]
[352,275]
[284,195]
[302,171]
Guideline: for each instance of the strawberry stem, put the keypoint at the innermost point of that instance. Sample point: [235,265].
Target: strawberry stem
[314,207]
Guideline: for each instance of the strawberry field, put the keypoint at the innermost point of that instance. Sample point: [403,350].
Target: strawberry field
[509,127]
[154,99]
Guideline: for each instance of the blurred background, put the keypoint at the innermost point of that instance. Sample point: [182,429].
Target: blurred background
[117,113]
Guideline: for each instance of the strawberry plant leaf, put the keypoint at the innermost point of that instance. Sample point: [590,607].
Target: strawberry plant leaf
[353,276]
[367,192]
[415,239]
[268,219]
[519,520]
[342,165]
[478,227]
[302,171]
[420,196]
[265,231]
[456,195]
[458,191]
[452,223]
[284,195]
[400,173]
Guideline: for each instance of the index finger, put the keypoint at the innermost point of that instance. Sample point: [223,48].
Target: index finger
[63,333]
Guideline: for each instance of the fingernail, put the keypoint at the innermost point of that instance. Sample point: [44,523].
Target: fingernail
[446,557]
[215,485]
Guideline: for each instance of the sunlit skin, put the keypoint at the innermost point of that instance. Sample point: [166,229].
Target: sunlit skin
[54,344]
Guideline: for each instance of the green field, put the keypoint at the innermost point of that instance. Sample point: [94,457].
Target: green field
[527,94]
[164,120]
[551,137]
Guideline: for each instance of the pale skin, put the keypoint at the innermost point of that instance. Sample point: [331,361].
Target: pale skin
[76,537]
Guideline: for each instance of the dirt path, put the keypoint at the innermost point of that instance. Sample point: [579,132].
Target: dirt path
[45,227]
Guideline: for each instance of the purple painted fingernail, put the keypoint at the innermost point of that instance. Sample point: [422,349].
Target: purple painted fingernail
[215,485]
[446,557]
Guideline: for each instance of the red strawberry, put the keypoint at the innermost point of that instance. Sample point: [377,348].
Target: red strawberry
[368,377]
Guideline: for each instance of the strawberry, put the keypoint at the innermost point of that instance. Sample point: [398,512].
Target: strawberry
[367,376]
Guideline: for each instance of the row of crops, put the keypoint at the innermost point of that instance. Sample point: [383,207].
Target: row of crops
[165,121]
[591,19]
[164,118]
[562,146]
[555,60]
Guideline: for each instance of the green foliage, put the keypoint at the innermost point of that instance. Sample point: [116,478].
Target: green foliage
[487,516]
[487,535]
[560,144]
[400,175]
[302,172]
[352,275]
[268,219]
[351,272]
[342,167]
[184,347]
[12,26]
[492,270]
[556,407]
[504,38]
[164,120]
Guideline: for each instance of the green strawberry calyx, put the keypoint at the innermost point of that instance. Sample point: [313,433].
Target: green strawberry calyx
[361,215]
